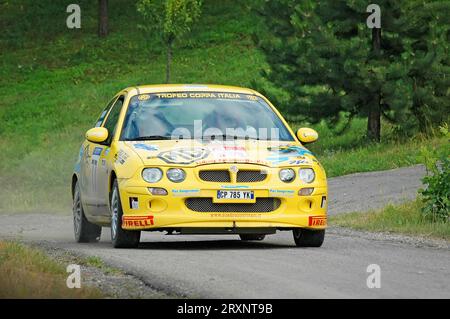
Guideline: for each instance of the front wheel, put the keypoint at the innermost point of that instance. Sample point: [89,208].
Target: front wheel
[247,237]
[85,231]
[308,238]
[121,238]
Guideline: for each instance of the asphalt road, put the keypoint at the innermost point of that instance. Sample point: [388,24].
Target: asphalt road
[225,267]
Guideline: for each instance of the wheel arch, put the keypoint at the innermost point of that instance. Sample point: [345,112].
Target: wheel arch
[112,178]
[74,182]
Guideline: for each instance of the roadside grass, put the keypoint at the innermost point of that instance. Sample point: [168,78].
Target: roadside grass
[350,152]
[97,262]
[29,273]
[54,85]
[404,219]
[375,157]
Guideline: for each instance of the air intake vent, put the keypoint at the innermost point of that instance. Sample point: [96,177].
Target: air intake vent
[221,176]
[250,176]
[204,204]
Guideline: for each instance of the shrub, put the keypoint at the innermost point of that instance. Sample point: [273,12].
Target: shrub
[436,195]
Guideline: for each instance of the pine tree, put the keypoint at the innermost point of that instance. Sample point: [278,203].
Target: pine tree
[323,54]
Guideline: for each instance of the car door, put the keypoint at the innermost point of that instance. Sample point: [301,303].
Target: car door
[88,167]
[103,159]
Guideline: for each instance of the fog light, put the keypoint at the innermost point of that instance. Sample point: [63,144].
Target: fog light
[157,191]
[306,191]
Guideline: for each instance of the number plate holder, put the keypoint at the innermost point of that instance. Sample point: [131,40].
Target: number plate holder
[234,196]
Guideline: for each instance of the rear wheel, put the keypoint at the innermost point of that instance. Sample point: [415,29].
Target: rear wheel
[121,238]
[252,236]
[308,238]
[85,231]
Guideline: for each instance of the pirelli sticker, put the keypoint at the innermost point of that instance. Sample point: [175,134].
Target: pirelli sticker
[317,220]
[199,95]
[137,221]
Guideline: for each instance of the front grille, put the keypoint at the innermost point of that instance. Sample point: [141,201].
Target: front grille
[222,176]
[204,204]
[250,176]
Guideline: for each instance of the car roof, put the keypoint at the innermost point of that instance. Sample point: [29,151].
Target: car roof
[158,88]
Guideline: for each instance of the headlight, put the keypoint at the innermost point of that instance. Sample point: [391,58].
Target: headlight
[176,175]
[287,175]
[307,175]
[152,175]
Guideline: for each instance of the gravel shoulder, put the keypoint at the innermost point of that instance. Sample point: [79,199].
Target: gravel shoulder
[112,282]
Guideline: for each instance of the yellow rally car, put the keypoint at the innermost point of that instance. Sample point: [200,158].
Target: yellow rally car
[197,159]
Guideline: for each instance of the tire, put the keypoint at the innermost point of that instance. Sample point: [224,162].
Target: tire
[121,238]
[308,238]
[85,231]
[247,237]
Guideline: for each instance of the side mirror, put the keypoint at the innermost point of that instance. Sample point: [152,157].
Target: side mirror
[97,135]
[307,135]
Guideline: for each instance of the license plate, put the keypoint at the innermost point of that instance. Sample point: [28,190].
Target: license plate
[235,195]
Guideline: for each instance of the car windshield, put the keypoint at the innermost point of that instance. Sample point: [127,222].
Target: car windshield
[202,115]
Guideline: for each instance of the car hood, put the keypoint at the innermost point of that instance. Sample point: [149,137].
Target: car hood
[196,152]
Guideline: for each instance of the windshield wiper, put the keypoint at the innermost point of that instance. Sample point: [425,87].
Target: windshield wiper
[150,138]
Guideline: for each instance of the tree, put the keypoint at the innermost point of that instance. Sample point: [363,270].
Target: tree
[323,54]
[102,18]
[169,20]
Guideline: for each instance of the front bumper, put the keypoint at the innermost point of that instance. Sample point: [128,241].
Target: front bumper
[170,211]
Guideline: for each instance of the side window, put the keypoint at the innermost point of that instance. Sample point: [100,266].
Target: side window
[113,117]
[104,113]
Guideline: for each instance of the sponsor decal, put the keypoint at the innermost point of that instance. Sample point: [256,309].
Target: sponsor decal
[300,161]
[185,192]
[317,221]
[86,154]
[143,97]
[228,152]
[80,157]
[200,95]
[282,192]
[277,159]
[184,155]
[121,157]
[233,160]
[290,150]
[146,147]
[97,151]
[106,151]
[233,215]
[234,186]
[137,221]
[286,152]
